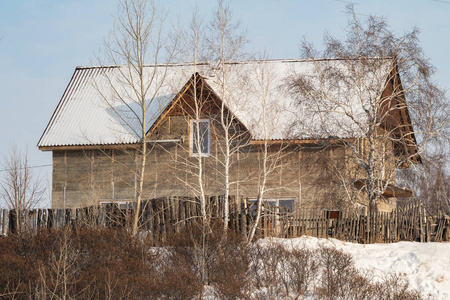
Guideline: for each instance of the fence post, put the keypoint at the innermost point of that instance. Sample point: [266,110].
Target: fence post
[421,213]
[12,221]
[328,224]
[5,222]
[243,220]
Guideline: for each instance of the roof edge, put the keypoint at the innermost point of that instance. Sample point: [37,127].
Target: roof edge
[236,62]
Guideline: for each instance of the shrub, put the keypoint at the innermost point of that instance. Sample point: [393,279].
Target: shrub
[111,264]
[82,264]
[278,271]
[219,261]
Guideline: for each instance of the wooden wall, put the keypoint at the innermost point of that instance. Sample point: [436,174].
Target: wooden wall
[311,176]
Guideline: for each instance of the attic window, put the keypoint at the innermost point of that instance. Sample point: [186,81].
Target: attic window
[199,138]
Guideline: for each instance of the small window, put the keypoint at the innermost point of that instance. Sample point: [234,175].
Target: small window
[286,206]
[199,138]
[279,211]
[277,206]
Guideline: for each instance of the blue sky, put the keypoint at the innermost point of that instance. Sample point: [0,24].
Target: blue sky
[42,42]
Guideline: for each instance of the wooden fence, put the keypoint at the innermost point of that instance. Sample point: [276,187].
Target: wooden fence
[410,223]
[159,218]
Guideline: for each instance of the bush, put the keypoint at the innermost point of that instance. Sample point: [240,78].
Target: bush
[111,264]
[326,273]
[78,264]
[219,261]
[395,287]
[278,271]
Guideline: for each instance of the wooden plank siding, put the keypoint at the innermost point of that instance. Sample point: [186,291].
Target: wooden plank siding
[314,178]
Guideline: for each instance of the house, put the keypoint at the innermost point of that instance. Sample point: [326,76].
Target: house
[93,136]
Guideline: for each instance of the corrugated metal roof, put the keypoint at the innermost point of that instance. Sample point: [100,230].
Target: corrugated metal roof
[91,110]
[256,94]
[260,98]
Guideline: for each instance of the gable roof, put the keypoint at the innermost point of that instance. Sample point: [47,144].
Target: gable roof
[257,96]
[83,117]
[261,98]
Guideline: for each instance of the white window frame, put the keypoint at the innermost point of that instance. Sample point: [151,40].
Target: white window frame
[191,138]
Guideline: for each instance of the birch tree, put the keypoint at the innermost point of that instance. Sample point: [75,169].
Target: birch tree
[430,182]
[191,163]
[192,49]
[365,67]
[271,152]
[225,44]
[137,38]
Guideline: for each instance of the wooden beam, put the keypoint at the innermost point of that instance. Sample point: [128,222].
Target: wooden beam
[305,141]
[407,130]
[391,190]
[174,102]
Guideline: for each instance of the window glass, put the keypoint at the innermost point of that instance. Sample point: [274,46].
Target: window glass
[274,205]
[288,205]
[200,138]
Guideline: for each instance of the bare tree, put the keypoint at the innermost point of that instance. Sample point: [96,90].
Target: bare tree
[355,98]
[21,189]
[57,280]
[134,90]
[271,152]
[225,43]
[192,47]
[192,161]
[430,182]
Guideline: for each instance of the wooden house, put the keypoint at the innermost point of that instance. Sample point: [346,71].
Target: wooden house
[92,136]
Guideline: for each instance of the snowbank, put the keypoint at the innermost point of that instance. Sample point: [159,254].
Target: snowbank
[425,265]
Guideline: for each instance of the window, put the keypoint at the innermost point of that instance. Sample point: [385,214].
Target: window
[276,206]
[278,212]
[199,138]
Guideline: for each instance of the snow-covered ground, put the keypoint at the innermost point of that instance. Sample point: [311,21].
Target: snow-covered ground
[425,265]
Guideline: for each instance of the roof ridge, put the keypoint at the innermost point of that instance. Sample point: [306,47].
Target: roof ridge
[234,62]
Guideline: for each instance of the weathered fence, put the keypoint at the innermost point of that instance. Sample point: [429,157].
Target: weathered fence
[160,218]
[409,223]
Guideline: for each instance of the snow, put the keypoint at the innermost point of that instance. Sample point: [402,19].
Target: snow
[425,265]
[101,106]
[261,99]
